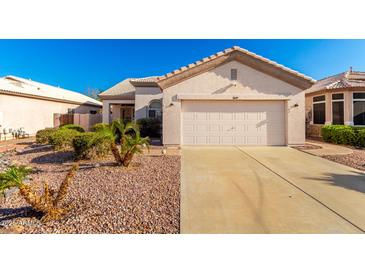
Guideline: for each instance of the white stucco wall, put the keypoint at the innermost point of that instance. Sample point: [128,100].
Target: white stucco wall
[143,97]
[216,84]
[33,114]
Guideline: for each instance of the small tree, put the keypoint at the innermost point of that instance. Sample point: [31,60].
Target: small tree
[132,145]
[127,136]
[48,203]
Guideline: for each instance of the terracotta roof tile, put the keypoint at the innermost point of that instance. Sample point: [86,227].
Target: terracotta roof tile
[342,80]
[239,49]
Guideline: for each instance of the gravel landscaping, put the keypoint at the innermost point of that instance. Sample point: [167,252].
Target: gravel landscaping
[105,198]
[306,147]
[355,159]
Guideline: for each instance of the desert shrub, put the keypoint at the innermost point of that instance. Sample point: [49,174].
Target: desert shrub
[90,145]
[150,127]
[73,126]
[340,134]
[360,137]
[42,136]
[99,127]
[62,138]
[326,133]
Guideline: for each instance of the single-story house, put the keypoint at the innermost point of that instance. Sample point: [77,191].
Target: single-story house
[233,97]
[31,105]
[337,100]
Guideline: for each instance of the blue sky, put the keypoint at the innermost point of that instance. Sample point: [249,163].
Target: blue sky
[82,64]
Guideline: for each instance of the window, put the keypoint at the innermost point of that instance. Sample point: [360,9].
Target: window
[319,110]
[359,109]
[93,112]
[337,109]
[155,109]
[233,74]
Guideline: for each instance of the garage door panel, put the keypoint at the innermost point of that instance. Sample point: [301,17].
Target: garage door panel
[233,123]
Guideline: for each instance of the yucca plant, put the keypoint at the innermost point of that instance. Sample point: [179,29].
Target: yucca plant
[49,202]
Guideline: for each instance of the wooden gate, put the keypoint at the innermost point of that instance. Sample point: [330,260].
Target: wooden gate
[84,120]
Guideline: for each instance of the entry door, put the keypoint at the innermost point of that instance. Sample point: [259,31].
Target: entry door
[233,123]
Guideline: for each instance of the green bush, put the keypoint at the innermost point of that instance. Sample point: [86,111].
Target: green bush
[73,126]
[99,126]
[150,127]
[360,137]
[345,135]
[42,136]
[90,145]
[62,138]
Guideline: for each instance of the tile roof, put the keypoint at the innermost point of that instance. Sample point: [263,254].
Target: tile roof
[348,79]
[229,51]
[126,88]
[21,86]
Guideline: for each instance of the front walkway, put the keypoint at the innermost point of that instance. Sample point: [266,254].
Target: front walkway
[327,149]
[268,190]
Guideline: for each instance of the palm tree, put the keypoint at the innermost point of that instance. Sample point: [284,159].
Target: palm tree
[48,202]
[131,146]
[13,176]
[119,132]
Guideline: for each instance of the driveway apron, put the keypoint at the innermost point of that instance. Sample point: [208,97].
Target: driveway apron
[226,190]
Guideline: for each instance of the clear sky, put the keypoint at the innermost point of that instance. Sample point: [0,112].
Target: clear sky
[82,64]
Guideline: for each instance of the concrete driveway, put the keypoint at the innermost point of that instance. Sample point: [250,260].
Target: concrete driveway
[268,190]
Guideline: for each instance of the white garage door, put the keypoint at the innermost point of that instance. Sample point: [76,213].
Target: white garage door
[233,123]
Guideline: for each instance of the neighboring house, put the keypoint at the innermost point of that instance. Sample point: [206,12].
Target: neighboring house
[233,97]
[338,100]
[31,105]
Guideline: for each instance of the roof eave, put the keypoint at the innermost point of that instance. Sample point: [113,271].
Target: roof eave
[32,96]
[335,90]
[144,84]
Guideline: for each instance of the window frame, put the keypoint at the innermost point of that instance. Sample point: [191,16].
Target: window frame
[319,102]
[338,100]
[353,101]
[156,110]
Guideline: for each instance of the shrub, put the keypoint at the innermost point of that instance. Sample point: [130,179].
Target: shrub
[99,127]
[360,137]
[42,136]
[73,126]
[62,138]
[150,127]
[340,134]
[90,145]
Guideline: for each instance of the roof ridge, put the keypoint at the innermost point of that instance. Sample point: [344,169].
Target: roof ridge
[227,51]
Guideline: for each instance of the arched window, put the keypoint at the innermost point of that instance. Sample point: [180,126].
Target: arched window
[155,109]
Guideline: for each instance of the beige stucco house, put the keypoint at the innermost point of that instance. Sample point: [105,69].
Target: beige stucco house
[233,97]
[338,100]
[31,105]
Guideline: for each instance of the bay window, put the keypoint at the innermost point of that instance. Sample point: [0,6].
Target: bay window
[337,109]
[319,109]
[359,109]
